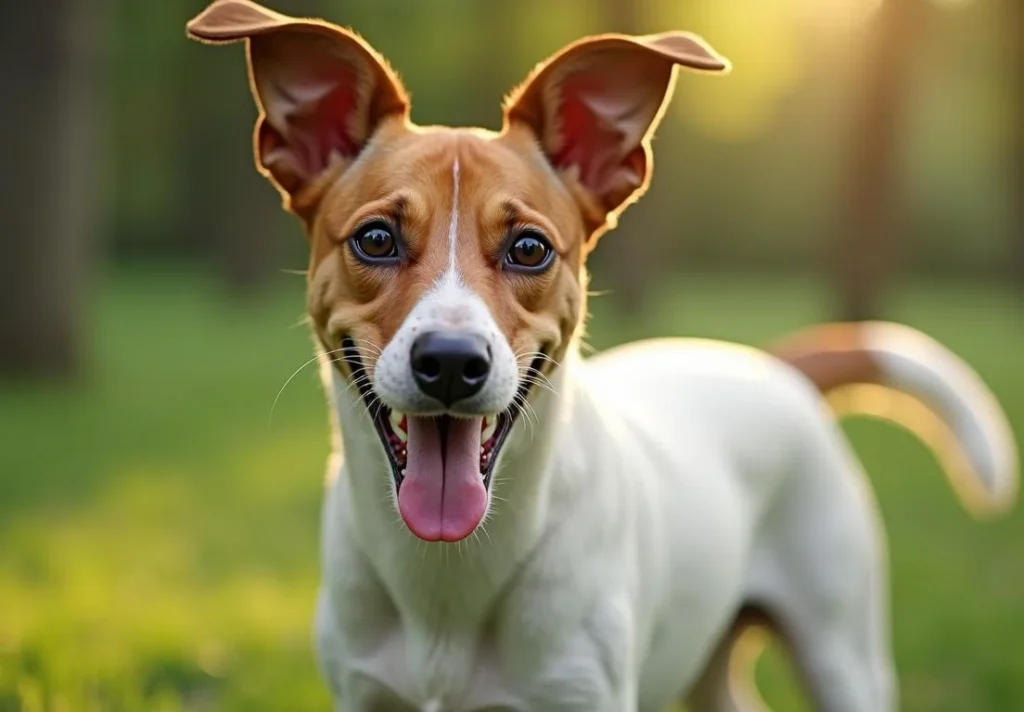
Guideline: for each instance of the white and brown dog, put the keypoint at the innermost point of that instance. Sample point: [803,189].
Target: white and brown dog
[508,525]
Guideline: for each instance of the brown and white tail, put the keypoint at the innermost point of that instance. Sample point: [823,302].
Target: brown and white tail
[898,374]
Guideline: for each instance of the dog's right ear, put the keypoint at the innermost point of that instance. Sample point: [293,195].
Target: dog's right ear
[593,108]
[321,91]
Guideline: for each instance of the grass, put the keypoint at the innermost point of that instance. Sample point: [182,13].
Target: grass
[158,537]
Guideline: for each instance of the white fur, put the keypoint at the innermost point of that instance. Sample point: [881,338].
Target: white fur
[916,363]
[663,485]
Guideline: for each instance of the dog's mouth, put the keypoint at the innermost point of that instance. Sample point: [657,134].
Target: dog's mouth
[441,465]
[393,428]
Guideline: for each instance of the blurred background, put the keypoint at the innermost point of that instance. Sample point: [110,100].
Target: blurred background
[158,528]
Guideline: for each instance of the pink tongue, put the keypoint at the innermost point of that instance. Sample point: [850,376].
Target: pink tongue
[442,497]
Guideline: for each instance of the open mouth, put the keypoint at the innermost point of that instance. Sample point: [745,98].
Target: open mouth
[441,465]
[393,429]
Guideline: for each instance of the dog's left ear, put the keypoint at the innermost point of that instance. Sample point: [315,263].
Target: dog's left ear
[593,107]
[321,90]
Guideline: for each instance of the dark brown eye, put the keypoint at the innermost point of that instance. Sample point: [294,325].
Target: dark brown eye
[375,243]
[529,253]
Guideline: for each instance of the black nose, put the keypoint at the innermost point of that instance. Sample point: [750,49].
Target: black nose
[450,366]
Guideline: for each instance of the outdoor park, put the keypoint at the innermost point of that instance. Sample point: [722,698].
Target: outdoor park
[160,515]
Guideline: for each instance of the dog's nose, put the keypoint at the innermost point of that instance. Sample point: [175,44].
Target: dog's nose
[450,366]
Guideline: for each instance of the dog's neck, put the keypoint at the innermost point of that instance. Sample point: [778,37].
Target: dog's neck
[466,573]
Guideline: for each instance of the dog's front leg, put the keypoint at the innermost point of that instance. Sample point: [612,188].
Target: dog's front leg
[626,697]
[575,663]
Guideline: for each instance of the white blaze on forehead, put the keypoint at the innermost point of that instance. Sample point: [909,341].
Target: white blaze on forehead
[451,275]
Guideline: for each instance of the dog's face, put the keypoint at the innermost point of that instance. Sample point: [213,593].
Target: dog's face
[446,268]
[457,234]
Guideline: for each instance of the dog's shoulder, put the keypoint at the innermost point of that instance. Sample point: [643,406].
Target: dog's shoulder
[702,396]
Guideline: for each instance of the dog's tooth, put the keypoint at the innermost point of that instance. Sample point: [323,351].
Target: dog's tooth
[490,425]
[398,425]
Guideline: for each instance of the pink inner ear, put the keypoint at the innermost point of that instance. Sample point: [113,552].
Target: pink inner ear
[310,116]
[324,127]
[589,139]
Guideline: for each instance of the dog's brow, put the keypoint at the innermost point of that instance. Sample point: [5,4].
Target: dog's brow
[515,210]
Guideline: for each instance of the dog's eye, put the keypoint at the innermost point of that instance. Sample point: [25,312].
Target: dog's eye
[375,242]
[530,252]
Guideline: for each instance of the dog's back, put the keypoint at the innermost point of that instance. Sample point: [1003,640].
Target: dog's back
[706,417]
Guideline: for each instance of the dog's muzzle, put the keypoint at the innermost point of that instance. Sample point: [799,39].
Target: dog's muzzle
[442,463]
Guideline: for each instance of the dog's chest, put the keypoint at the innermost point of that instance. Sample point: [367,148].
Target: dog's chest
[392,666]
[405,670]
[406,649]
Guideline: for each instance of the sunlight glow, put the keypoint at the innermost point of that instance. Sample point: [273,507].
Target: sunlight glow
[761,42]
[839,14]
[767,45]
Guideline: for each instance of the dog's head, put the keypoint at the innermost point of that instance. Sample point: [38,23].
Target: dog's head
[447,264]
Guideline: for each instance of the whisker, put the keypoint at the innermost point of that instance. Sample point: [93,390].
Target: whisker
[360,340]
[533,355]
[494,496]
[523,409]
[482,529]
[270,418]
[372,404]
[536,377]
[303,320]
[359,380]
[474,538]
[531,414]
[368,345]
[541,383]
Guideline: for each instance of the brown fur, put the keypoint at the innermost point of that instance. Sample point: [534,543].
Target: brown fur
[831,355]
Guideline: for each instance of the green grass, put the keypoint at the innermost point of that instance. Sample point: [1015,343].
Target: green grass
[158,537]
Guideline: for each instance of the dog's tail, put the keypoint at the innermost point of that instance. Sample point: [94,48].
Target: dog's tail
[896,373]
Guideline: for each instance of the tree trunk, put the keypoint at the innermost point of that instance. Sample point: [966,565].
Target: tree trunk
[1015,48]
[227,210]
[865,250]
[48,188]
[484,82]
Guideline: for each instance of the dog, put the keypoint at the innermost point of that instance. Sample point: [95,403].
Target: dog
[507,525]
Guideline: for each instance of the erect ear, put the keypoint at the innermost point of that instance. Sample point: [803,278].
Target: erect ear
[321,91]
[594,105]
